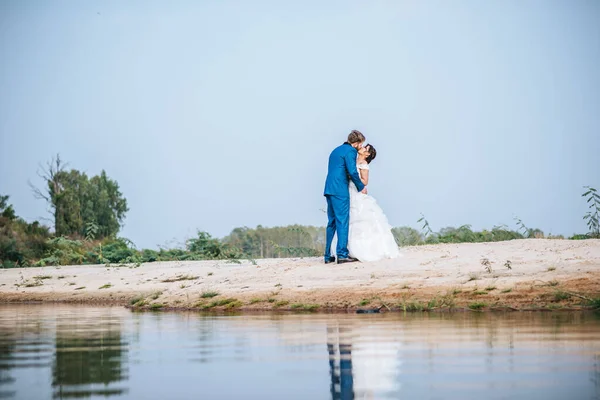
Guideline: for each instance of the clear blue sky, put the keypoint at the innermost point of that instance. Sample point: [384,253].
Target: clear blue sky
[213,115]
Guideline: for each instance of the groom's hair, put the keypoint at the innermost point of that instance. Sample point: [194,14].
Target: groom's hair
[355,137]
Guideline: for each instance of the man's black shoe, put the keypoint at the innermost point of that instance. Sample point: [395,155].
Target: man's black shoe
[346,260]
[330,260]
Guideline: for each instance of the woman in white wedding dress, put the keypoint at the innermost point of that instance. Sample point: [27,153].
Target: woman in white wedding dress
[370,234]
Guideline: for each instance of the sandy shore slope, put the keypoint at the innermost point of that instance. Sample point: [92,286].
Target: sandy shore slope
[544,274]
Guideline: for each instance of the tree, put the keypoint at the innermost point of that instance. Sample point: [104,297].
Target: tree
[6,210]
[76,202]
[20,242]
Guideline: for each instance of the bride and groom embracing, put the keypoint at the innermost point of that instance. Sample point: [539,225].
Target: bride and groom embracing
[355,219]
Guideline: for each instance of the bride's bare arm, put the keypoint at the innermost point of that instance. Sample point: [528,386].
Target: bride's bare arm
[364,176]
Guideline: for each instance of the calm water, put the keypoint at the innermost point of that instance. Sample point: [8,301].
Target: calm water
[99,352]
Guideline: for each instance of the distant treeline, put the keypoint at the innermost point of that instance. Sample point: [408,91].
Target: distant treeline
[88,214]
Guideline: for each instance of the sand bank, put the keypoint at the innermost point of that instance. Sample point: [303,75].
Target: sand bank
[543,273]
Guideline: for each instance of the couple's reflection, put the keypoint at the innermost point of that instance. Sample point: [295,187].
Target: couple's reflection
[339,347]
[364,359]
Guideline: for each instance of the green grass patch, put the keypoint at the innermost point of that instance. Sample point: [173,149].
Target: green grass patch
[107,286]
[490,288]
[42,277]
[560,296]
[221,303]
[233,304]
[254,301]
[282,303]
[362,303]
[480,292]
[304,307]
[413,306]
[209,294]
[507,290]
[477,306]
[80,288]
[135,299]
[156,306]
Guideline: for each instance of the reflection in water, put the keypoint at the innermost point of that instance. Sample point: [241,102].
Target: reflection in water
[86,352]
[340,350]
[88,362]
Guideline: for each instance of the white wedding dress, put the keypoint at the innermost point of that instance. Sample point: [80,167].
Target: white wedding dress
[370,235]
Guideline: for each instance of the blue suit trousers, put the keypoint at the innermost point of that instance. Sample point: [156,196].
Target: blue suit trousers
[338,214]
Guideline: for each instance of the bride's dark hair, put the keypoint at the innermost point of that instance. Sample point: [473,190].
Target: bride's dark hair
[372,153]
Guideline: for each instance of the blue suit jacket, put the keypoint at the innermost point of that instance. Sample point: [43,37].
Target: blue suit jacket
[342,167]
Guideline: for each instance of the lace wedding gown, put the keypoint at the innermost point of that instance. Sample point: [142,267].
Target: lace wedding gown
[370,235]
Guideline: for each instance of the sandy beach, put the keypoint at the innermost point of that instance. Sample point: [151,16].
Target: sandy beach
[519,274]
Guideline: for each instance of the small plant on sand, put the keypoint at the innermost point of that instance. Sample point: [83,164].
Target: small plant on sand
[255,300]
[271,300]
[281,303]
[553,283]
[33,283]
[473,276]
[456,291]
[426,229]
[155,295]
[278,285]
[480,292]
[525,231]
[42,277]
[592,217]
[550,269]
[80,288]
[364,302]
[490,288]
[508,264]
[107,286]
[508,290]
[156,306]
[487,265]
[180,278]
[477,306]
[209,294]
[209,274]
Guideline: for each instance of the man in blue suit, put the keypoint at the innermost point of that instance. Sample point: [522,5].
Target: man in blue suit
[342,169]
